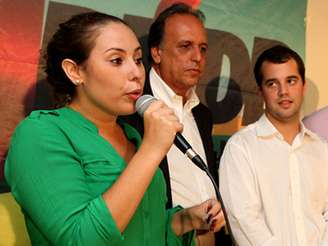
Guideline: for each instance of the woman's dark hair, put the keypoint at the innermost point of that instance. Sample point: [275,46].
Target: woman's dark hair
[156,31]
[277,54]
[73,40]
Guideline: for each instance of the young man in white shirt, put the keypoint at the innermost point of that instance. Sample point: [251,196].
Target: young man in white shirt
[273,173]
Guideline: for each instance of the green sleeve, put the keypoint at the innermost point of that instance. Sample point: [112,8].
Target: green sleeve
[171,238]
[47,180]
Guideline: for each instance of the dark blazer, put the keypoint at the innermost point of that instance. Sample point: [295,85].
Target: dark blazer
[203,118]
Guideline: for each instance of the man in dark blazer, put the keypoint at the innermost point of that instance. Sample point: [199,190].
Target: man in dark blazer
[177,44]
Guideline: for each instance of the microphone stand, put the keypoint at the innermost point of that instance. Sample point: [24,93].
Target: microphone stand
[197,160]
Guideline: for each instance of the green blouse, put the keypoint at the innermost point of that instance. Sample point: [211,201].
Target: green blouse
[58,166]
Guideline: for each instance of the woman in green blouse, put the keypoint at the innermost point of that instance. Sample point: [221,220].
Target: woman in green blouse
[81,176]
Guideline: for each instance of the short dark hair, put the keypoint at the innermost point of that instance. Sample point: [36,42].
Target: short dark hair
[73,40]
[277,54]
[156,31]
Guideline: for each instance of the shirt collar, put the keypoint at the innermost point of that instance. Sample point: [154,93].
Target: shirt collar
[165,93]
[306,132]
[265,129]
[79,119]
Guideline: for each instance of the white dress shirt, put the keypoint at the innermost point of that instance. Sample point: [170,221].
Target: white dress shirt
[275,194]
[189,184]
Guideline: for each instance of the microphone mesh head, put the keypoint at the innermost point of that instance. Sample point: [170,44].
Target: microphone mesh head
[143,103]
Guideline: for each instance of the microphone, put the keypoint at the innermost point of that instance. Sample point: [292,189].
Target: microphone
[180,142]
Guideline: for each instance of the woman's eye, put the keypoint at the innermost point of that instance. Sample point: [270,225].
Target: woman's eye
[139,61]
[116,61]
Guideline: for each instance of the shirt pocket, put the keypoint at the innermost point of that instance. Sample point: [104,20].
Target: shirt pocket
[317,208]
[101,169]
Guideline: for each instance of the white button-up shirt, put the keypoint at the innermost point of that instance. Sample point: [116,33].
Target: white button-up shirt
[189,184]
[275,194]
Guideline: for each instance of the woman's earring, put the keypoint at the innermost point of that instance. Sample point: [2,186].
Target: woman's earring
[77,82]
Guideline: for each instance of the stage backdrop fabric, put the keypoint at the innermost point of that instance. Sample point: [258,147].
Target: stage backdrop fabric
[237,30]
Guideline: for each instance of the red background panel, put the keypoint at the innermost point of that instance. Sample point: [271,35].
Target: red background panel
[20,38]
[166,3]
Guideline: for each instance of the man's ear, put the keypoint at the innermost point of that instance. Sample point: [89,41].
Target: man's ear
[156,54]
[72,71]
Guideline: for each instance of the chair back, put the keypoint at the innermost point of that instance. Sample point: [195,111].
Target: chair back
[12,225]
